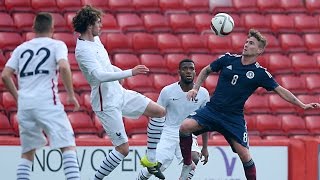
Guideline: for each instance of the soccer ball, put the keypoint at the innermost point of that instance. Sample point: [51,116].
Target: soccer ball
[222,24]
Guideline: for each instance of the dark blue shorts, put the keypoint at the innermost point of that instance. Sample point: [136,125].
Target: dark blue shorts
[231,126]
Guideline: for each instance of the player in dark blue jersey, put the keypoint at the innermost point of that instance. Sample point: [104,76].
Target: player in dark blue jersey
[240,76]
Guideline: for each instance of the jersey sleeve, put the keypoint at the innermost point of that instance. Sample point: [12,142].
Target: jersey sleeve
[61,51]
[267,81]
[87,60]
[217,65]
[206,97]
[163,98]
[13,61]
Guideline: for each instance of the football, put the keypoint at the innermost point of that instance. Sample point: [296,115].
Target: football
[222,24]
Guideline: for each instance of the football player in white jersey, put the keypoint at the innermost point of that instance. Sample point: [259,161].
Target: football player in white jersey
[110,101]
[174,99]
[36,64]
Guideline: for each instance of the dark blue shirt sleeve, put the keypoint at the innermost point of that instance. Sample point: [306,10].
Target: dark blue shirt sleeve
[267,81]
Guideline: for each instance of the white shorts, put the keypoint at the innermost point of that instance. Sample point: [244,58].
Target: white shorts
[133,106]
[53,122]
[169,147]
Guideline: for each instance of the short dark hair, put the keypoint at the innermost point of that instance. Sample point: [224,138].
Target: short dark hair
[42,23]
[185,60]
[261,39]
[85,17]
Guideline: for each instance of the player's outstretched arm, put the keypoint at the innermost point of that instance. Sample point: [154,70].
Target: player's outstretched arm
[8,82]
[64,69]
[191,95]
[288,96]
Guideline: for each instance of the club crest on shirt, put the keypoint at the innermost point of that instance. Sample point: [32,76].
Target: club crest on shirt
[250,74]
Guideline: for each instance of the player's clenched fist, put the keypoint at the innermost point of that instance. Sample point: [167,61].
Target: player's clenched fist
[140,69]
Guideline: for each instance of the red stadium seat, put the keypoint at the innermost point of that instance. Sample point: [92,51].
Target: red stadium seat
[245,6]
[2,6]
[154,62]
[73,62]
[238,40]
[97,123]
[251,122]
[169,43]
[79,82]
[126,61]
[6,22]
[211,83]
[130,22]
[9,40]
[279,64]
[303,63]
[202,22]
[292,43]
[312,42]
[18,5]
[218,44]
[194,43]
[142,137]
[162,80]
[202,60]
[292,83]
[155,23]
[102,4]
[256,21]
[81,123]
[293,5]
[121,5]
[86,101]
[3,62]
[9,103]
[173,60]
[63,96]
[308,99]
[116,43]
[313,83]
[269,125]
[293,125]
[273,44]
[196,6]
[68,17]
[238,23]
[44,5]
[140,83]
[59,22]
[144,43]
[70,5]
[171,5]
[23,21]
[270,6]
[136,126]
[5,127]
[152,95]
[312,6]
[304,23]
[68,38]
[313,124]
[182,23]
[257,104]
[280,106]
[109,23]
[282,23]
[146,5]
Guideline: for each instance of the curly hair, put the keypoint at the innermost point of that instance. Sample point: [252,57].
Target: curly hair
[85,17]
[261,39]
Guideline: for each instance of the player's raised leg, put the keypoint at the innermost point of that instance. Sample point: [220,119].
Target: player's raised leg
[154,130]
